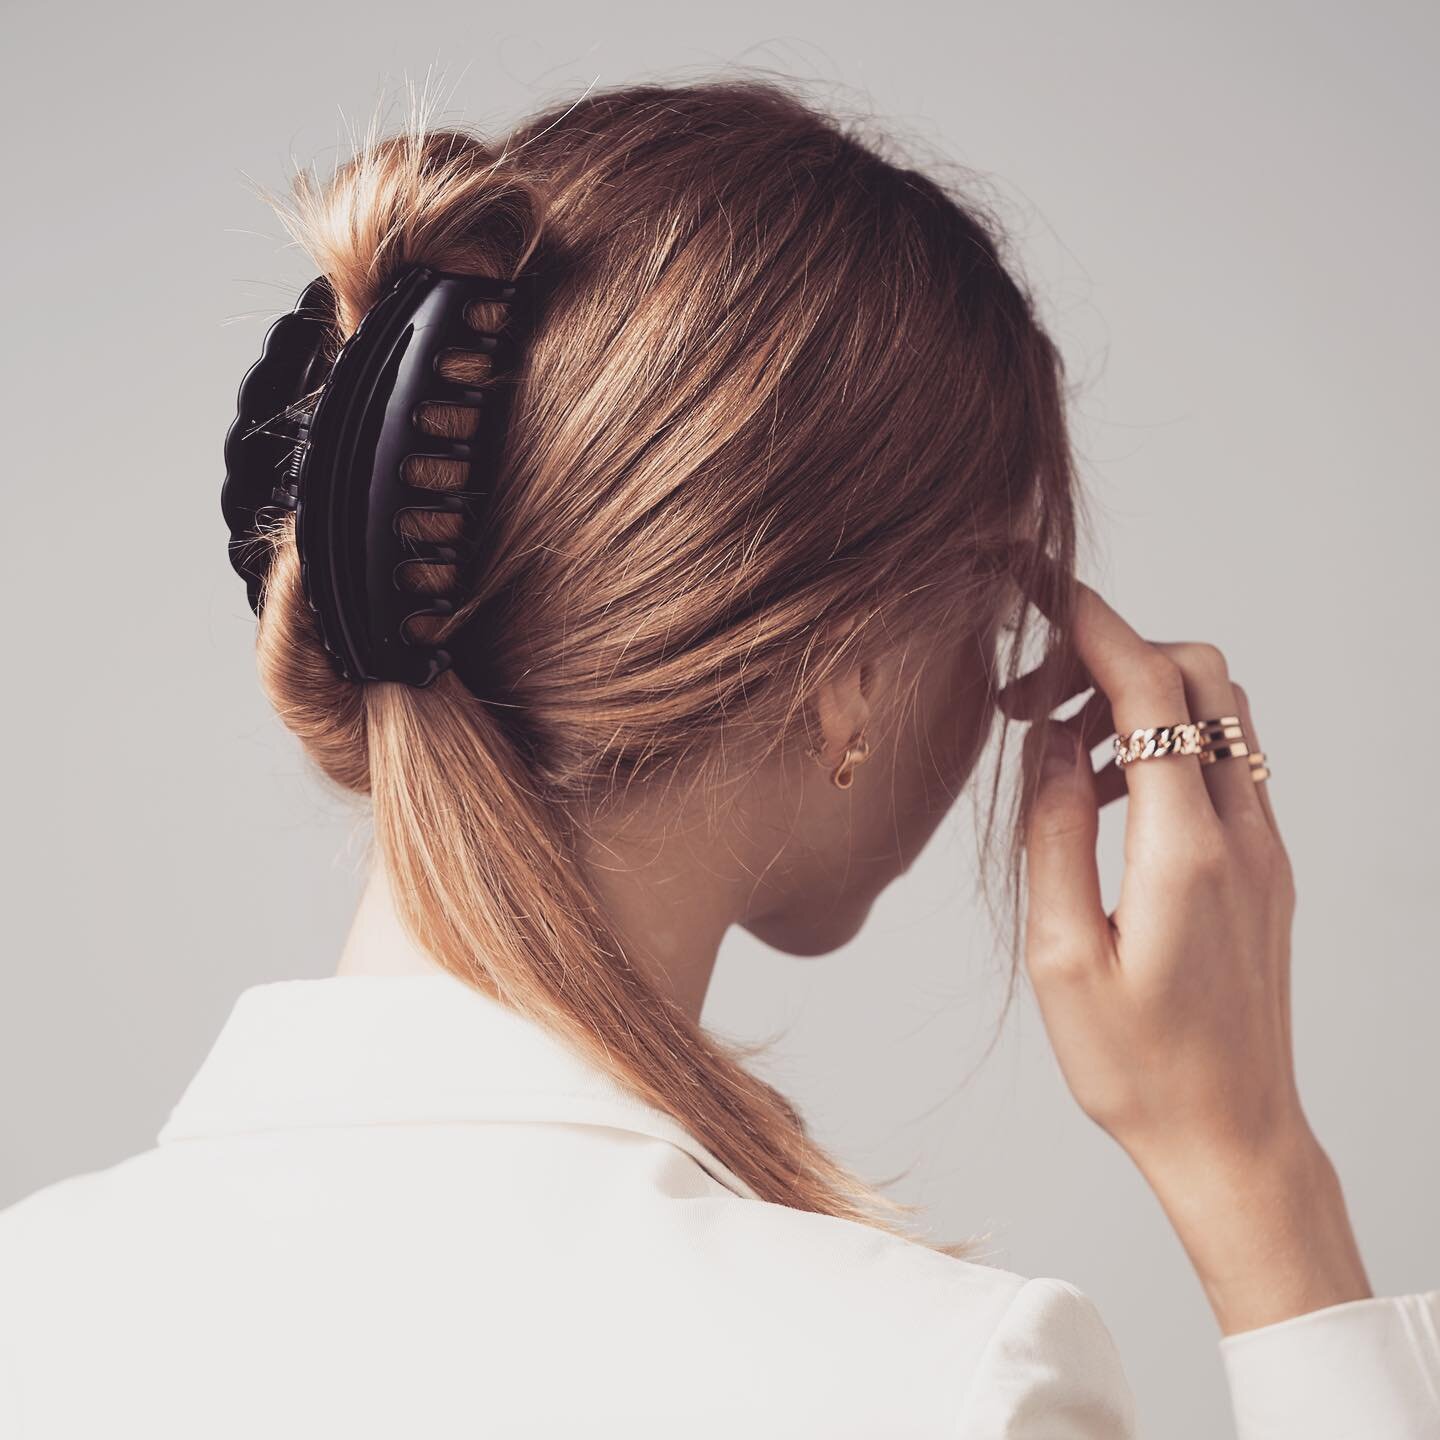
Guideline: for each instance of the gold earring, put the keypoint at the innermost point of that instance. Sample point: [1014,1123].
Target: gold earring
[856,753]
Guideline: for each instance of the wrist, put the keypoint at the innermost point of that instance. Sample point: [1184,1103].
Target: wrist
[1266,1229]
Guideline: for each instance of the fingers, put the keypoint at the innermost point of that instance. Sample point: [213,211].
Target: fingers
[1093,721]
[1210,695]
[1065,916]
[1109,782]
[1145,688]
[1107,653]
[1261,787]
[1091,724]
[1031,695]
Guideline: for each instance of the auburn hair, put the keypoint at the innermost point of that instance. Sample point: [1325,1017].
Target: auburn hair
[777,381]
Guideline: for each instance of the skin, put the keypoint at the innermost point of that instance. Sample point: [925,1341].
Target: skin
[1170,1016]
[782,851]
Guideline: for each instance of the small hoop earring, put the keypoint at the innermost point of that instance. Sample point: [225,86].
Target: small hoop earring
[856,753]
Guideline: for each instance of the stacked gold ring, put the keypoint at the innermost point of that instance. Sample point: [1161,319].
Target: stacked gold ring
[1222,738]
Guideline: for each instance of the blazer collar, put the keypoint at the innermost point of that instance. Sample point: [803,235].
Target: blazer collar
[391,1049]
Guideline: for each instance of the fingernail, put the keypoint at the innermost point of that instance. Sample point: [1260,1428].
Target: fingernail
[1060,755]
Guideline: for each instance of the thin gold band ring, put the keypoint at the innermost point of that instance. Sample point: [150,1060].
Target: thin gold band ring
[1221,738]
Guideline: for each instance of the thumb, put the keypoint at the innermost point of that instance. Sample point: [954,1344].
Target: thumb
[1065,914]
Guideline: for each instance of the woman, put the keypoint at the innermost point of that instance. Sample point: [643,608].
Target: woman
[775,463]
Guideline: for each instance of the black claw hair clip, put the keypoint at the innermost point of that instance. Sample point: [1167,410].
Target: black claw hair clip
[338,461]
[262,450]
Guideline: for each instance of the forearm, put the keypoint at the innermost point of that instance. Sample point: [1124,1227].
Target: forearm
[1268,1235]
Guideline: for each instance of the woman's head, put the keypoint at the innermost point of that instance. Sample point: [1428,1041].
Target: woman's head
[785,433]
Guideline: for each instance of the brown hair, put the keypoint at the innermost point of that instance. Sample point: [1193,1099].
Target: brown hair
[777,381]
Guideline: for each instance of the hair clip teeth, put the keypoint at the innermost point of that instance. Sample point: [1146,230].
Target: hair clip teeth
[448,392]
[438,448]
[438,606]
[428,553]
[447,502]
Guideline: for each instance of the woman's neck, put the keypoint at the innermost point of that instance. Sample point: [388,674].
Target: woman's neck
[378,943]
[673,936]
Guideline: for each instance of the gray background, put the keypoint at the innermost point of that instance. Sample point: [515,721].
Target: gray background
[1230,212]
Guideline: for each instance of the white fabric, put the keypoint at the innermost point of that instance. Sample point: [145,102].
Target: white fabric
[387,1206]
[1367,1369]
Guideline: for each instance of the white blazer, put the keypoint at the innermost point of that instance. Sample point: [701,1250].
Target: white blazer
[386,1206]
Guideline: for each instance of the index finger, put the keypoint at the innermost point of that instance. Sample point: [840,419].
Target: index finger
[1145,688]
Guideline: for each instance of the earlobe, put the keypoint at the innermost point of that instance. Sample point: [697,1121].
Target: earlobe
[843,711]
[856,753]
[842,708]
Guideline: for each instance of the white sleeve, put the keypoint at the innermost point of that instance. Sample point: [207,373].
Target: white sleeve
[1366,1370]
[1050,1371]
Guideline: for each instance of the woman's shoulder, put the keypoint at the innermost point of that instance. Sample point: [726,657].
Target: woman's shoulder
[1004,1344]
[67,1229]
[833,1323]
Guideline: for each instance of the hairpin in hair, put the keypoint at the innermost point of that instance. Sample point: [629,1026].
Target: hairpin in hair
[338,461]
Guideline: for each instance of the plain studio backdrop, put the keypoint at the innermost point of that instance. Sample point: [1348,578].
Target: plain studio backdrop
[1229,214]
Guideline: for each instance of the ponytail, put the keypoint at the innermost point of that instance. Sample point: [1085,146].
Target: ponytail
[484,879]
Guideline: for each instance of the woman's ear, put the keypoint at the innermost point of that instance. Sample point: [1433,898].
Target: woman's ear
[841,706]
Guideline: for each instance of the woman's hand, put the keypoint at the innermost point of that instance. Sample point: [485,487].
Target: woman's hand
[1171,1016]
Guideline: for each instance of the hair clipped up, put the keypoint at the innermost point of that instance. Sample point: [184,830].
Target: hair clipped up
[776,382]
